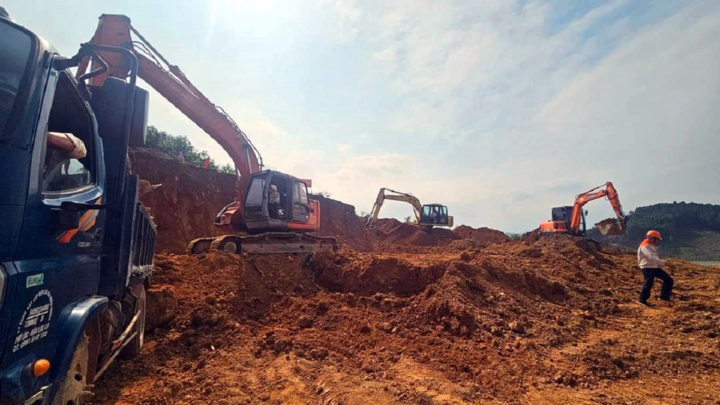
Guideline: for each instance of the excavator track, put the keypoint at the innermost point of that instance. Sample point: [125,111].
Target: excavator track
[264,243]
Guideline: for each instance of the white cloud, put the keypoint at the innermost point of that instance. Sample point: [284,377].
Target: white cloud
[344,148]
[520,115]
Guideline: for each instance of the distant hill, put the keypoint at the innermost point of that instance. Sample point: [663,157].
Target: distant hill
[690,231]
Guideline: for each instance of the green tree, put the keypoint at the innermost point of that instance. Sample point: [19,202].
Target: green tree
[227,169]
[173,144]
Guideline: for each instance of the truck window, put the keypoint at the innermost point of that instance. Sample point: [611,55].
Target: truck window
[66,167]
[16,49]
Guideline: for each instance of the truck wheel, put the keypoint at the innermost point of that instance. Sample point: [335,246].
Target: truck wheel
[133,348]
[72,391]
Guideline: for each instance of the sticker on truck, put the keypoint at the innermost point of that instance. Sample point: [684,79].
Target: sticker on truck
[34,280]
[35,321]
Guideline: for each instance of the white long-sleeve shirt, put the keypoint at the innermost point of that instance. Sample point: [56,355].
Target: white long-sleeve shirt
[648,257]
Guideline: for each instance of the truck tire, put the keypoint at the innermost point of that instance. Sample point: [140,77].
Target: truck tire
[72,391]
[133,348]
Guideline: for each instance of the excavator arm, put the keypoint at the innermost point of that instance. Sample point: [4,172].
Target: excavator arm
[396,196]
[171,83]
[605,190]
[276,228]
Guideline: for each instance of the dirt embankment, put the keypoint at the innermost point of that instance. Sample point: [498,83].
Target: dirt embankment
[484,235]
[184,207]
[511,323]
[391,232]
[186,204]
[340,220]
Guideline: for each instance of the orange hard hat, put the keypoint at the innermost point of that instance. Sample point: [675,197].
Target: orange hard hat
[653,234]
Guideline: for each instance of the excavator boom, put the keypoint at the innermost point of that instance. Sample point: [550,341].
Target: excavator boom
[171,83]
[278,222]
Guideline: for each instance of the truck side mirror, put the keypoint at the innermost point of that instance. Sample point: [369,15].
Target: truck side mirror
[64,220]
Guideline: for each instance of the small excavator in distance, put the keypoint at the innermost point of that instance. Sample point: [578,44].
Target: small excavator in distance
[428,215]
[272,212]
[571,219]
[76,245]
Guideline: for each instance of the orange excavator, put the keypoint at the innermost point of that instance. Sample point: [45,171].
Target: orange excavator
[272,212]
[571,219]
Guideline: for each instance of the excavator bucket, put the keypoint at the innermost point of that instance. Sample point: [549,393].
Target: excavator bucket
[610,226]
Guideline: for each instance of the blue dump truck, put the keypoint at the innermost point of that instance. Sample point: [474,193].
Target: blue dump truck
[76,246]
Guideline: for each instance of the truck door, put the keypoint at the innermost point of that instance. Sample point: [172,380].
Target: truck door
[58,256]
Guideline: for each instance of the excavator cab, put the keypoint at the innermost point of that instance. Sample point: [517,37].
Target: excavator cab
[276,201]
[278,215]
[435,215]
[560,221]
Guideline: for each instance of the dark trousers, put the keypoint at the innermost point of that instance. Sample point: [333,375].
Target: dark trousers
[650,275]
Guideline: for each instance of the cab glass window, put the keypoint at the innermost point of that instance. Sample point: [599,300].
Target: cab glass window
[255,194]
[69,157]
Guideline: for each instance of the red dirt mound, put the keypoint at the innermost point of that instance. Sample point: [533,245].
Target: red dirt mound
[184,207]
[483,235]
[511,323]
[391,232]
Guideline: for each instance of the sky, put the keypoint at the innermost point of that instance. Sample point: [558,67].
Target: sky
[500,109]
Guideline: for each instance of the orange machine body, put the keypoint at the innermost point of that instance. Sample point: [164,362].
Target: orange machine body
[571,219]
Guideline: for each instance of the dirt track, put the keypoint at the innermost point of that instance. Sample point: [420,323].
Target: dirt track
[548,322]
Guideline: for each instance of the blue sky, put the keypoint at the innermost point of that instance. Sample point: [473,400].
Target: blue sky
[500,109]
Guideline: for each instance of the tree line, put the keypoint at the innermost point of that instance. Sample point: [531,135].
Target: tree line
[179,146]
[677,222]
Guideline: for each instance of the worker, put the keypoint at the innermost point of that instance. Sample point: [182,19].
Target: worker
[273,201]
[652,266]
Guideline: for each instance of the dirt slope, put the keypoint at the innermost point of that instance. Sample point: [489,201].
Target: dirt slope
[340,220]
[184,207]
[486,235]
[391,232]
[542,322]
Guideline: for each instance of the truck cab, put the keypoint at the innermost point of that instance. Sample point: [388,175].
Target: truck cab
[76,246]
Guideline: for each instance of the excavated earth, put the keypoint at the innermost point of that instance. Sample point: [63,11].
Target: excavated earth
[449,317]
